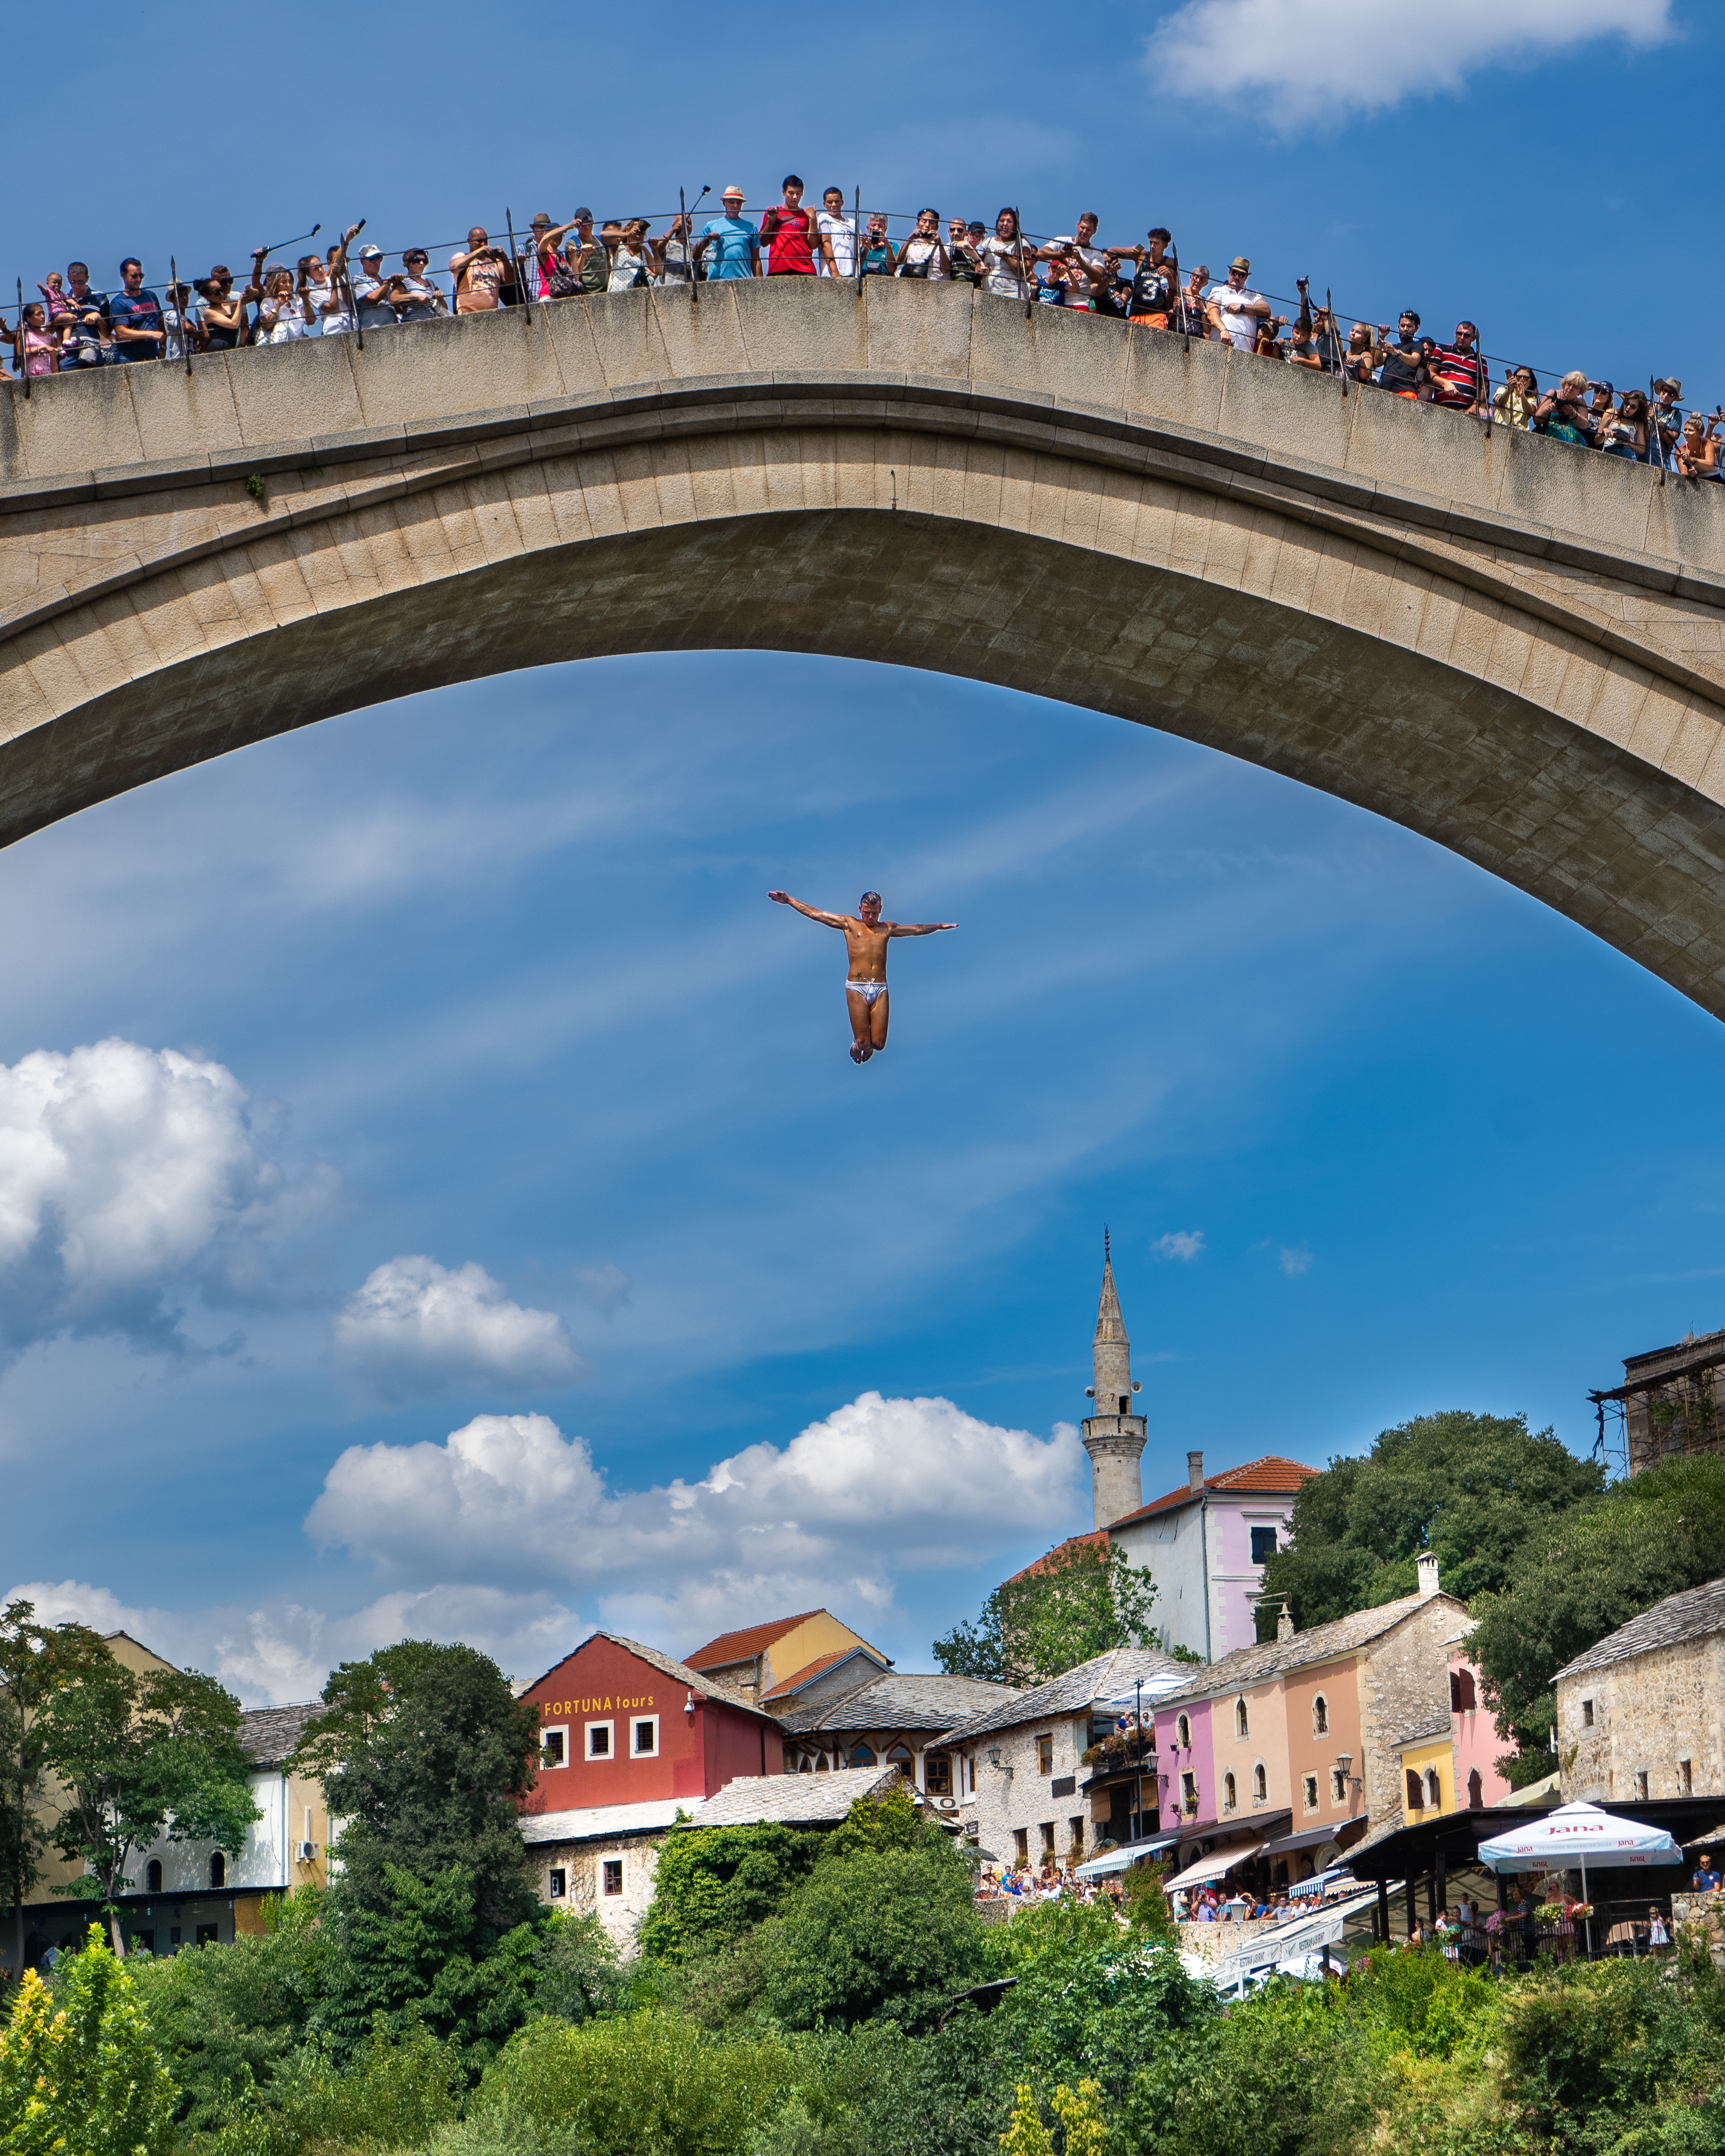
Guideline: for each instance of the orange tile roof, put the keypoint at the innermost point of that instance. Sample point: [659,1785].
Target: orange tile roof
[1097,1540]
[799,1677]
[744,1646]
[1273,1475]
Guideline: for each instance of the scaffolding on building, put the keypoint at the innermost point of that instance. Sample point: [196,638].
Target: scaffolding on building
[1671,1406]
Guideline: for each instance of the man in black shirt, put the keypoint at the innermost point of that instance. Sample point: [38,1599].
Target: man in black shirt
[1401,366]
[90,319]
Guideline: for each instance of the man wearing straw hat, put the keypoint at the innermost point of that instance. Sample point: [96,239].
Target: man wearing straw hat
[735,242]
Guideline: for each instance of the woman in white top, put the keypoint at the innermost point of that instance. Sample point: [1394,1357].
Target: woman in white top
[283,314]
[632,262]
[924,253]
[1006,259]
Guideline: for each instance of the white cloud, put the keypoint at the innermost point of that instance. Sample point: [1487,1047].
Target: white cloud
[416,1327]
[1185,1243]
[1311,59]
[879,1484]
[1296,1261]
[125,1171]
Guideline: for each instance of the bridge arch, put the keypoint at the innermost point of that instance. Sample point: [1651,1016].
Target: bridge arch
[1522,656]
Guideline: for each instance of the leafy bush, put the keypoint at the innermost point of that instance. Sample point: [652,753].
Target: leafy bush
[79,2072]
[715,1883]
[391,2094]
[646,2084]
[579,1970]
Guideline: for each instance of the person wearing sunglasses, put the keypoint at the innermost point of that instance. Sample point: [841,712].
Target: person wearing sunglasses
[419,296]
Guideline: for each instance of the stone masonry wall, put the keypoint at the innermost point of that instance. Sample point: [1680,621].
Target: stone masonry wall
[1650,1713]
[1018,1796]
[1403,1682]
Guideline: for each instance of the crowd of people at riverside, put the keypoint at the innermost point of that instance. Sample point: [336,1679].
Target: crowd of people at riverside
[348,289]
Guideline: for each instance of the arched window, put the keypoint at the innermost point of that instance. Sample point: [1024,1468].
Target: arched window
[1183,1732]
[1476,1791]
[861,1756]
[1416,1792]
[1433,1789]
[1230,1797]
[152,1875]
[1462,1700]
[1242,1727]
[1260,1782]
[218,1869]
[1320,1717]
[805,1765]
[900,1757]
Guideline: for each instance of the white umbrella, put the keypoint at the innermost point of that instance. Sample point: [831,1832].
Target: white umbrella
[1576,1834]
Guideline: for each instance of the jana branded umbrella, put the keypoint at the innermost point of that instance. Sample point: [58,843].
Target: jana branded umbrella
[1578,1835]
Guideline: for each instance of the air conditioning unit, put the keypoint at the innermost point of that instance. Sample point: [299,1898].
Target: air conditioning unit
[306,1851]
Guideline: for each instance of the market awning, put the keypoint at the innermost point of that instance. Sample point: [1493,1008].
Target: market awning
[1214,1866]
[1310,1837]
[1121,1859]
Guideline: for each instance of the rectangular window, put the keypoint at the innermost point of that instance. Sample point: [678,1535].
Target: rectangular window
[1021,1843]
[1686,1777]
[556,1884]
[1044,1755]
[598,1740]
[1311,1793]
[1586,1714]
[1077,1827]
[937,1774]
[1046,1830]
[1339,1785]
[1263,1545]
[644,1736]
[554,1747]
[1641,1785]
[209,1935]
[1188,1795]
[612,1882]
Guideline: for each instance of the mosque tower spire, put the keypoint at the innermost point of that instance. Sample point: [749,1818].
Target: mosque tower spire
[1113,1435]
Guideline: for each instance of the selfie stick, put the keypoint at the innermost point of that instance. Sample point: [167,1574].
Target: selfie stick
[280,243]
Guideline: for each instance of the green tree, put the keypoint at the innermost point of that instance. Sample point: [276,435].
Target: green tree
[1083,1599]
[1586,1572]
[139,1755]
[424,1753]
[890,1931]
[714,1883]
[580,1974]
[79,2074]
[35,1660]
[1471,1489]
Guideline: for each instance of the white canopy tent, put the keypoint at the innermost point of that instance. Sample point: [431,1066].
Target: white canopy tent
[1121,1859]
[1211,1867]
[1578,1835]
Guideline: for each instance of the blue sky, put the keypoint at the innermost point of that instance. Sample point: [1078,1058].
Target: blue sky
[443,1070]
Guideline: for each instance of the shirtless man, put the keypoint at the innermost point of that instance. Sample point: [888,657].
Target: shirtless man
[866,936]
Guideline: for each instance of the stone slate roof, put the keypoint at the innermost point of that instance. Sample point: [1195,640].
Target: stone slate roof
[598,1822]
[793,1799]
[269,1733]
[900,1702]
[1107,1677]
[1271,1658]
[1273,1476]
[1434,1725]
[1690,1615]
[744,1646]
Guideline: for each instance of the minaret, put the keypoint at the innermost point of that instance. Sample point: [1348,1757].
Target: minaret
[1113,1436]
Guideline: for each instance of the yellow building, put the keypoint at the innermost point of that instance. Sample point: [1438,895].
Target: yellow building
[1427,1757]
[762,1658]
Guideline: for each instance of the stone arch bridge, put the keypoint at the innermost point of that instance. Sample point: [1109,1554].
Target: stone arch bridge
[1515,648]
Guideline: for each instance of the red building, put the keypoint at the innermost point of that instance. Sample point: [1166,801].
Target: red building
[625,1725]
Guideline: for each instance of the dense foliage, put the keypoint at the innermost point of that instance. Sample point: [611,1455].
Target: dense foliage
[80,2074]
[1586,1572]
[1078,1602]
[1473,1489]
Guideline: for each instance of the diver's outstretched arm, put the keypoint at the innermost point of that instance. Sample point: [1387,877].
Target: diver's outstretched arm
[813,912]
[917,928]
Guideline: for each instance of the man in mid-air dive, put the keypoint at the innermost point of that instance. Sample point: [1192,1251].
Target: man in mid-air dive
[866,936]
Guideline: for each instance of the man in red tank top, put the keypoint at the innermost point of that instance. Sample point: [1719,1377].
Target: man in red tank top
[789,233]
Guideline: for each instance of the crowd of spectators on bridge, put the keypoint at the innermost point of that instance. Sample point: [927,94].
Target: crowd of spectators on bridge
[352,289]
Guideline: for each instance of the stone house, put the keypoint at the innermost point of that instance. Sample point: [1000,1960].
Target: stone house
[1017,1768]
[1641,1715]
[761,1658]
[854,1712]
[1297,1741]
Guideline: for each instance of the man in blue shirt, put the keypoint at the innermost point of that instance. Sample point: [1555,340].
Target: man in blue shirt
[135,315]
[90,318]
[734,243]
[1707,1874]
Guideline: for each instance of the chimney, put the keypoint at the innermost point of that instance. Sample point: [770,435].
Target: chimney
[1194,1470]
[1428,1571]
[1285,1623]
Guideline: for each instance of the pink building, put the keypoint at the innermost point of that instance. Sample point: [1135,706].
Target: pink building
[1186,1763]
[1476,1745]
